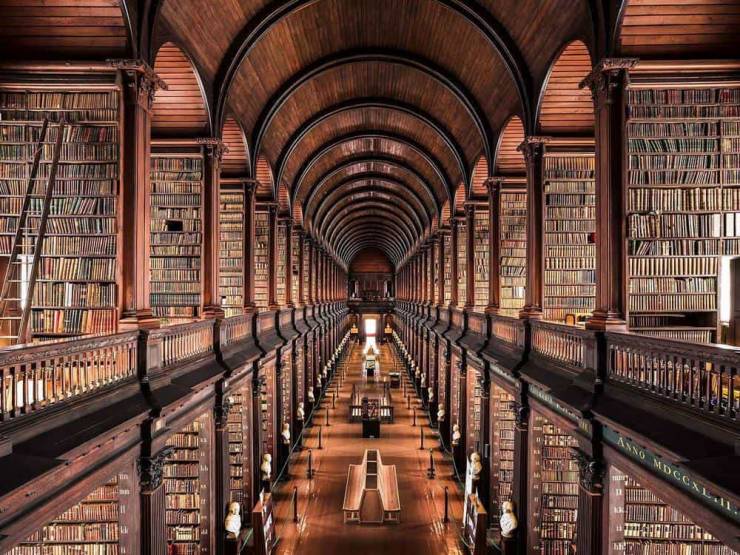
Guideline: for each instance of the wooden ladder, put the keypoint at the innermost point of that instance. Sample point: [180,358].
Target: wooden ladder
[25,254]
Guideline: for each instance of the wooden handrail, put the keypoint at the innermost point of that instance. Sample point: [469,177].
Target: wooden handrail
[184,342]
[508,330]
[569,345]
[235,328]
[33,377]
[703,377]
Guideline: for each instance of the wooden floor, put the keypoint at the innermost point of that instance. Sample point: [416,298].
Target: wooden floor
[320,528]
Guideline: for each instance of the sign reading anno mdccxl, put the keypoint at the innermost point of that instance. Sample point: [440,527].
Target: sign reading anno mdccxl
[672,473]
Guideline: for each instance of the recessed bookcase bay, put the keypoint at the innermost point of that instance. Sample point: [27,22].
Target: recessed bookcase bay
[176,230]
[447,252]
[76,292]
[570,230]
[231,247]
[462,262]
[683,205]
[503,414]
[513,245]
[261,257]
[94,525]
[480,255]
[281,263]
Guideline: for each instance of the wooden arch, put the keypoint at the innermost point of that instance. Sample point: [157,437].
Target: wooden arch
[509,161]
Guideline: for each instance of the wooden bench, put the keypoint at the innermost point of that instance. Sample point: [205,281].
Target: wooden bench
[371,493]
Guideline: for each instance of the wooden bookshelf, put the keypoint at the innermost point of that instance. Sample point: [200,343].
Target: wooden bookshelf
[462,263]
[176,232]
[447,238]
[231,248]
[503,421]
[91,526]
[683,201]
[261,259]
[553,489]
[186,483]
[474,406]
[640,522]
[480,256]
[456,414]
[285,387]
[513,249]
[267,414]
[570,233]
[281,273]
[76,291]
[240,431]
[295,267]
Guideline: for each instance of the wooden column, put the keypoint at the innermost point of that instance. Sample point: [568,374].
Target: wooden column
[454,222]
[248,245]
[441,274]
[214,150]
[533,149]
[608,83]
[141,83]
[153,502]
[589,525]
[494,246]
[289,264]
[301,250]
[470,256]
[222,475]
[272,257]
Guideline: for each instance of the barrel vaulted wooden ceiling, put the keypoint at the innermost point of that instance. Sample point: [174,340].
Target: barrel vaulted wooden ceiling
[370,121]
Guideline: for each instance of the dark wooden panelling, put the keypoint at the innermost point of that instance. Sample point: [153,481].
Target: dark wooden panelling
[264,179]
[480,174]
[370,261]
[236,160]
[53,29]
[681,28]
[566,109]
[180,110]
[508,160]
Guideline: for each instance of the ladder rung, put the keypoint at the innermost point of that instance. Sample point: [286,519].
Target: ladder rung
[8,337]
[10,317]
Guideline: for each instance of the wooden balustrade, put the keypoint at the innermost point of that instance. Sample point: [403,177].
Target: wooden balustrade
[508,330]
[37,376]
[184,342]
[235,329]
[703,377]
[574,347]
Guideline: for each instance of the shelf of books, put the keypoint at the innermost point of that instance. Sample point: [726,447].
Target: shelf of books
[513,249]
[267,411]
[447,238]
[570,233]
[503,421]
[90,526]
[186,484]
[281,263]
[456,416]
[261,259]
[683,206]
[76,290]
[285,389]
[474,405]
[640,522]
[307,294]
[442,378]
[231,248]
[480,256]
[176,232]
[295,267]
[239,427]
[553,488]
[462,263]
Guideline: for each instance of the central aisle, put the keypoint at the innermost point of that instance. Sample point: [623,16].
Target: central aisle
[321,529]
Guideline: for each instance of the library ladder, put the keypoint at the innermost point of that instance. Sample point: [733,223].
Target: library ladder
[28,242]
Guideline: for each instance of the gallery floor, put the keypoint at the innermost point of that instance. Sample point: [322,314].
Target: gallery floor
[320,528]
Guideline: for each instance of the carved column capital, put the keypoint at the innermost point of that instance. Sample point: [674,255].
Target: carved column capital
[533,147]
[215,147]
[521,415]
[221,411]
[151,469]
[590,472]
[142,82]
[493,184]
[606,78]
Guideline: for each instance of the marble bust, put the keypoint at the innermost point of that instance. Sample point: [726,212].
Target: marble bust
[508,521]
[440,412]
[456,435]
[266,466]
[233,523]
[300,412]
[285,433]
